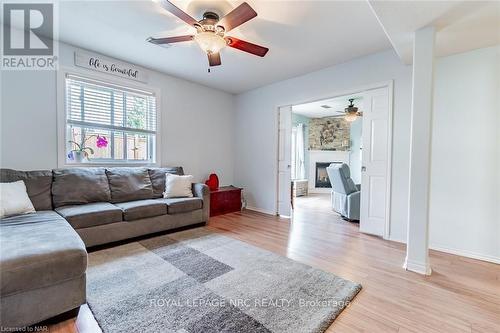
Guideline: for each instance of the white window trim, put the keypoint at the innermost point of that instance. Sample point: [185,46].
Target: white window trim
[61,115]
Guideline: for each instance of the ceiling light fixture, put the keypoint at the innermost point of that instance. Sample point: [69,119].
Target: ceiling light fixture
[351,112]
[211,31]
[350,117]
[210,42]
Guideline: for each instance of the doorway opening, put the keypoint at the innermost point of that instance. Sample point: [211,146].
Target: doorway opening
[322,139]
[334,158]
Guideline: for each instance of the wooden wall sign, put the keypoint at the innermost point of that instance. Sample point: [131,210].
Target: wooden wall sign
[110,66]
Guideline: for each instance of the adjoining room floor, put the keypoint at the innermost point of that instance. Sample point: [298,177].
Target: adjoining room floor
[317,206]
[462,295]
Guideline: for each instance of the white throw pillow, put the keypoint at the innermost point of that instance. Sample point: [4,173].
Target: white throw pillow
[14,199]
[178,186]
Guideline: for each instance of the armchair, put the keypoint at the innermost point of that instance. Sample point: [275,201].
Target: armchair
[345,194]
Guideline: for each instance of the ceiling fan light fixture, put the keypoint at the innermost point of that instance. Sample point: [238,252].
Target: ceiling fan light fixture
[350,117]
[210,42]
[211,30]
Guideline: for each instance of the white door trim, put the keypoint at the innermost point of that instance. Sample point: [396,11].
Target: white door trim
[390,85]
[387,228]
[284,208]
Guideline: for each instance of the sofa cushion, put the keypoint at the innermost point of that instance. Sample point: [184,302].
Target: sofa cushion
[78,186]
[38,250]
[182,205]
[89,215]
[14,199]
[157,176]
[135,210]
[128,184]
[38,184]
[178,186]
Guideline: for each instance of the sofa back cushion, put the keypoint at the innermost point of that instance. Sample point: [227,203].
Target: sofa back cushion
[78,186]
[157,176]
[38,185]
[128,184]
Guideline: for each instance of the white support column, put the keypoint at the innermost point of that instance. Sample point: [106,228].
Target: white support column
[417,248]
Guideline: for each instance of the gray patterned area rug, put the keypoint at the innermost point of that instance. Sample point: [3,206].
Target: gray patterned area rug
[200,281]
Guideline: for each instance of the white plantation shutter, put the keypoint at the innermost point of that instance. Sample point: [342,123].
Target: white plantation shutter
[125,115]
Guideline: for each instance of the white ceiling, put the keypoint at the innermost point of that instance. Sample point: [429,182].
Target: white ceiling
[314,109]
[303,36]
[461,25]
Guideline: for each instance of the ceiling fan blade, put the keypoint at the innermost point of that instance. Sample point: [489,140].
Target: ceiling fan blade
[170,40]
[214,59]
[178,12]
[237,16]
[246,46]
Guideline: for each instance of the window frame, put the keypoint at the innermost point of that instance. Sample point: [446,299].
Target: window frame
[62,117]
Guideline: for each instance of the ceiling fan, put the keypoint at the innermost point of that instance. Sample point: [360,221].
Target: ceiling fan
[351,112]
[210,31]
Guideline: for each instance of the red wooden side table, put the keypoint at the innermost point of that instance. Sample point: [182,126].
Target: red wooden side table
[226,199]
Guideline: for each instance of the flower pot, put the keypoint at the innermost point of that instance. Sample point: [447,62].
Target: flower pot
[78,156]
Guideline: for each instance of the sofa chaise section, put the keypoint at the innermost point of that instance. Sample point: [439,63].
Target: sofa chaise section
[43,264]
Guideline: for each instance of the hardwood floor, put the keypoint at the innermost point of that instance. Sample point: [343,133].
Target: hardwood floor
[462,295]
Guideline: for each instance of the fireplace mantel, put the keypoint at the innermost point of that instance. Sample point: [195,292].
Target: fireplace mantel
[322,156]
[330,152]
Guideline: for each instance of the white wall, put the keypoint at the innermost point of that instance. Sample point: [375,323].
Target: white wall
[28,120]
[196,122]
[256,123]
[464,190]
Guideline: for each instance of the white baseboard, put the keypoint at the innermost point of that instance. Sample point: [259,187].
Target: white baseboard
[458,252]
[468,254]
[417,267]
[263,211]
[403,241]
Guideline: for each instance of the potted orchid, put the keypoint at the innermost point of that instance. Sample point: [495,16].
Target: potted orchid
[82,151]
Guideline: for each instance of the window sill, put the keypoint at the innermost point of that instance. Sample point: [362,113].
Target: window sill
[110,164]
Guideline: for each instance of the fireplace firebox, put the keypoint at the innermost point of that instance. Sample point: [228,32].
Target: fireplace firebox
[322,180]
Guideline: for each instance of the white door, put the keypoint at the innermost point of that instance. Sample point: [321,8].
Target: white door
[284,160]
[375,189]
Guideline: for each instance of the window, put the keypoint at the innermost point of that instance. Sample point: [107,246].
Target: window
[107,123]
[298,153]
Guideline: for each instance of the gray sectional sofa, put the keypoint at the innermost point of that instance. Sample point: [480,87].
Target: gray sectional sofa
[43,257]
